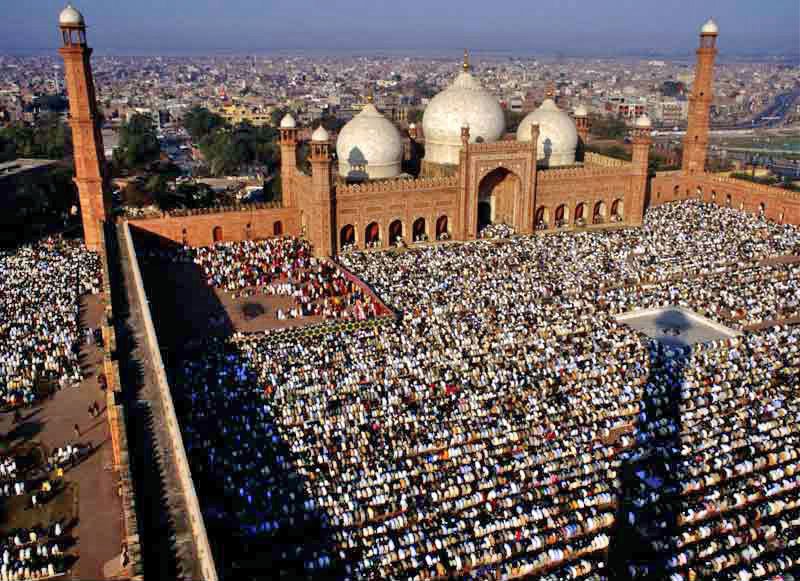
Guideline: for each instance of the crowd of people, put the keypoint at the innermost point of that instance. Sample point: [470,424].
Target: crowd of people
[33,554]
[278,267]
[507,425]
[40,289]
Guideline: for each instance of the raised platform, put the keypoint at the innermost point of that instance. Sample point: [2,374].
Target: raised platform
[676,326]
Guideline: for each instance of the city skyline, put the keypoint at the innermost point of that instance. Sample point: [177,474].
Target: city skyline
[246,26]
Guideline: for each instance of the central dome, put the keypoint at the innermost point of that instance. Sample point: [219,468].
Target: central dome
[464,103]
[369,143]
[558,137]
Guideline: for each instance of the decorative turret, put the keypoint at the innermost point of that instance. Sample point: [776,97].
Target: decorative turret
[582,124]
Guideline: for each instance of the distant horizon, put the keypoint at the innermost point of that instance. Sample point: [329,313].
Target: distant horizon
[575,28]
[415,53]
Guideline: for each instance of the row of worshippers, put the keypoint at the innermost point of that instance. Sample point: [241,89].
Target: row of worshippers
[499,428]
[33,554]
[40,289]
[735,298]
[278,267]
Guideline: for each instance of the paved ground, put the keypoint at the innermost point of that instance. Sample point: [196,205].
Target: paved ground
[99,530]
[673,327]
[186,309]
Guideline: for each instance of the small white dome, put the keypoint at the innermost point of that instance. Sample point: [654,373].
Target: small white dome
[70,17]
[369,143]
[558,137]
[464,102]
[581,111]
[710,27]
[288,122]
[320,134]
[644,122]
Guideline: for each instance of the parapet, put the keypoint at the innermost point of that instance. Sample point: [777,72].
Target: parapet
[398,185]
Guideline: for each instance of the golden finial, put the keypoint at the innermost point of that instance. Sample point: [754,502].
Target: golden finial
[371,95]
[465,66]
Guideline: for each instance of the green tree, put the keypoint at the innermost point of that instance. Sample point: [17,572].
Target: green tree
[608,127]
[138,144]
[273,191]
[200,123]
[49,138]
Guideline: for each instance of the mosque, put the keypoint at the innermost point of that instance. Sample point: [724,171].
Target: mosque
[471,172]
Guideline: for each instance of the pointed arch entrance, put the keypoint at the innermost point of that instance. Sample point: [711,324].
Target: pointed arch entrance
[561,215]
[347,237]
[442,228]
[217,234]
[542,219]
[372,234]
[419,229]
[497,194]
[599,213]
[395,232]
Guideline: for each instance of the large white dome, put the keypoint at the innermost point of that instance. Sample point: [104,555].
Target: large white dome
[558,137]
[369,143]
[465,102]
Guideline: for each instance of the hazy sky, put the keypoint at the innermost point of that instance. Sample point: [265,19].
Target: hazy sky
[571,27]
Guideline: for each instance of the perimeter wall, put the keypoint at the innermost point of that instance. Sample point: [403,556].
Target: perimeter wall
[777,204]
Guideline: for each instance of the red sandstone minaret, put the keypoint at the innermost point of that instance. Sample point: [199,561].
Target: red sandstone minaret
[86,137]
[696,141]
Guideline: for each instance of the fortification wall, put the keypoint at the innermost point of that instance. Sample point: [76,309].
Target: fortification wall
[115,414]
[194,515]
[777,204]
[230,223]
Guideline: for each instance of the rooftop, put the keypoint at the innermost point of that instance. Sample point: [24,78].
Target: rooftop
[22,165]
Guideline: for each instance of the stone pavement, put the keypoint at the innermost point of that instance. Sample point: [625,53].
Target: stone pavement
[99,530]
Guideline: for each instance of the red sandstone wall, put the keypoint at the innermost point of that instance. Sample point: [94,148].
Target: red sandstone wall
[359,206]
[235,225]
[779,205]
[572,187]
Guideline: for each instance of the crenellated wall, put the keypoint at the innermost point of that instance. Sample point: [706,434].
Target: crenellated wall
[612,190]
[595,159]
[779,205]
[230,223]
[387,201]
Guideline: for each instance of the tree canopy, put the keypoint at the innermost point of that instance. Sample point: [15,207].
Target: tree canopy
[138,143]
[228,150]
[200,123]
[608,127]
[49,138]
